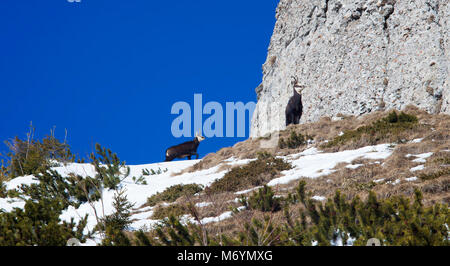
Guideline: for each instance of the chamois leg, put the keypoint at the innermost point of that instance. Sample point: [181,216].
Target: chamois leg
[297,120]
[290,119]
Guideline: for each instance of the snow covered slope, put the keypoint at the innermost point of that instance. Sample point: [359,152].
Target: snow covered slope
[310,163]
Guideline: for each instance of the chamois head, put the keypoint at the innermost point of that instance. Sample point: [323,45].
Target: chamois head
[199,137]
[297,86]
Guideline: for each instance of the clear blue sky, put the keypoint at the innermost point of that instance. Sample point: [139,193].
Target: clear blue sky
[109,71]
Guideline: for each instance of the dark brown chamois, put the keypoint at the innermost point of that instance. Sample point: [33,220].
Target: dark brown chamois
[186,149]
[294,107]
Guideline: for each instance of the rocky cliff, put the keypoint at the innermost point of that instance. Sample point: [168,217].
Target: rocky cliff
[354,57]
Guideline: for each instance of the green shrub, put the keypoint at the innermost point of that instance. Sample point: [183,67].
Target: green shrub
[175,210]
[141,239]
[39,224]
[114,225]
[172,233]
[27,157]
[387,128]
[264,200]
[139,180]
[294,141]
[255,173]
[259,233]
[112,174]
[3,191]
[402,118]
[395,221]
[172,193]
[147,172]
[3,179]
[73,190]
[361,186]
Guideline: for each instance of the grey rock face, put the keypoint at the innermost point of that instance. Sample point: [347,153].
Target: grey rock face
[354,57]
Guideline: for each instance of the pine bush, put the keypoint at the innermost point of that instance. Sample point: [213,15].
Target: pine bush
[115,224]
[264,200]
[172,193]
[27,157]
[255,173]
[108,167]
[295,140]
[38,224]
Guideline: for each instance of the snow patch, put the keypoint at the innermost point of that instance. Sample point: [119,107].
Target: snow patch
[142,215]
[202,204]
[397,181]
[7,204]
[247,190]
[354,166]
[312,164]
[417,168]
[421,158]
[319,198]
[223,216]
[21,180]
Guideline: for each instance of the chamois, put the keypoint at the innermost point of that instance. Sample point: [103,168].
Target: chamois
[294,107]
[186,149]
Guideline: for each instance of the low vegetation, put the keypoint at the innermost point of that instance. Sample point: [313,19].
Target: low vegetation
[264,200]
[27,157]
[378,199]
[146,172]
[363,186]
[434,175]
[39,223]
[163,211]
[171,232]
[295,140]
[387,129]
[437,166]
[3,179]
[395,221]
[256,173]
[172,193]
[115,224]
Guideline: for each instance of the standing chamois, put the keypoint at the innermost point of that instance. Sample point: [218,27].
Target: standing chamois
[186,149]
[294,107]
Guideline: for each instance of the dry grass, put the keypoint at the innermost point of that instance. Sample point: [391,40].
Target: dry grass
[429,127]
[386,178]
